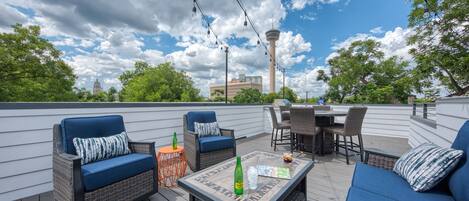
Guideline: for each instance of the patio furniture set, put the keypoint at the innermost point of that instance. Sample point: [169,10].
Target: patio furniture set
[86,168]
[313,129]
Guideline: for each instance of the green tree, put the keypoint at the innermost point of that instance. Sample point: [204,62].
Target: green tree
[112,94]
[269,98]
[361,74]
[248,95]
[289,94]
[160,83]
[31,68]
[441,42]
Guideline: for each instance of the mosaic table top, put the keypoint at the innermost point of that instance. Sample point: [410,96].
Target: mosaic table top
[216,182]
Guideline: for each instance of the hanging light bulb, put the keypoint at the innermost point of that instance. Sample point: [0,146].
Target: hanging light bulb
[245,20]
[258,42]
[216,42]
[194,10]
[208,31]
[265,53]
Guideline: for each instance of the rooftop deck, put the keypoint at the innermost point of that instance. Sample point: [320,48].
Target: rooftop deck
[25,130]
[328,180]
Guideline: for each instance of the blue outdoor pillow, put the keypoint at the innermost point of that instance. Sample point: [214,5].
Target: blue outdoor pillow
[426,165]
[96,149]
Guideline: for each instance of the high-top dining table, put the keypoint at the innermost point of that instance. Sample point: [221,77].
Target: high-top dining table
[323,118]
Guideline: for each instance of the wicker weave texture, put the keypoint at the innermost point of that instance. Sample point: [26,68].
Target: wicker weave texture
[381,161]
[135,187]
[214,157]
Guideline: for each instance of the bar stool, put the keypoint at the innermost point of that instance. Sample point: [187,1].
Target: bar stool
[351,127]
[303,123]
[275,127]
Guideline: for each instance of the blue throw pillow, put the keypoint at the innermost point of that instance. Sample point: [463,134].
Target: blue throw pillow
[96,149]
[426,165]
[206,129]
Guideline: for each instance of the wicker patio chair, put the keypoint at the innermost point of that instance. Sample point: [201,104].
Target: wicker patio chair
[351,127]
[303,123]
[322,107]
[69,179]
[203,152]
[274,140]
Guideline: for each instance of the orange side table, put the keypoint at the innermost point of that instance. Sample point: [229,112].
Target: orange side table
[171,165]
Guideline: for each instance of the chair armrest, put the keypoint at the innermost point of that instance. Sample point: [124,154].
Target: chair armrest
[142,147]
[227,132]
[380,159]
[67,177]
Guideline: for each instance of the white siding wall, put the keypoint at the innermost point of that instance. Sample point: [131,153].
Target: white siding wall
[451,113]
[380,120]
[26,137]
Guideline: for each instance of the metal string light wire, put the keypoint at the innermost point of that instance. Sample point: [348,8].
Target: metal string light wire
[259,39]
[210,29]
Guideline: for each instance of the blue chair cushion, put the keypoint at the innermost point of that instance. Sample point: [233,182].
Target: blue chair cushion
[458,182]
[87,127]
[201,117]
[214,143]
[103,173]
[390,185]
[358,194]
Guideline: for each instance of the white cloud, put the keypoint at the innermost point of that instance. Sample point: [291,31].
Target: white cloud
[393,43]
[377,30]
[301,4]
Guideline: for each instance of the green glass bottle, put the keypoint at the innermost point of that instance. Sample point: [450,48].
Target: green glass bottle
[238,177]
[175,141]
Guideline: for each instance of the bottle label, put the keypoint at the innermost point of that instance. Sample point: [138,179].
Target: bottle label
[239,185]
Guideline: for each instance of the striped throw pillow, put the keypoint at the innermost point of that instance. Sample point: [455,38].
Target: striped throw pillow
[426,165]
[206,129]
[96,149]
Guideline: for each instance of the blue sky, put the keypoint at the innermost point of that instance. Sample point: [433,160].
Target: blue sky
[101,39]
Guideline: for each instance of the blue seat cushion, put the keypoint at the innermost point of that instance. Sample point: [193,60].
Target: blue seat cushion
[201,117]
[358,194]
[87,127]
[214,143]
[390,185]
[102,173]
[458,182]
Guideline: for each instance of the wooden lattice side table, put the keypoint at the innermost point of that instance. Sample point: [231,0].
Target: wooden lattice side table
[171,165]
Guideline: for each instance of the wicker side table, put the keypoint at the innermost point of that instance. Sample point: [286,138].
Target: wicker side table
[171,165]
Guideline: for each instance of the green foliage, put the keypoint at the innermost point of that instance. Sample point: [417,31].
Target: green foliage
[289,94]
[441,43]
[31,68]
[160,83]
[248,95]
[86,96]
[361,74]
[269,98]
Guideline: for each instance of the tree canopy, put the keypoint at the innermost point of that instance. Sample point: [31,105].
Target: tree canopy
[248,95]
[360,73]
[31,68]
[441,42]
[160,83]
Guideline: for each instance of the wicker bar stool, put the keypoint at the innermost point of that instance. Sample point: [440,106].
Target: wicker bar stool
[275,127]
[284,117]
[303,123]
[351,127]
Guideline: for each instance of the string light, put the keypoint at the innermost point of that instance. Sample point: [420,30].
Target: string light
[204,17]
[194,10]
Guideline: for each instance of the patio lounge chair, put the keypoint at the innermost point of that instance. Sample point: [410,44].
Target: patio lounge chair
[127,177]
[375,180]
[203,152]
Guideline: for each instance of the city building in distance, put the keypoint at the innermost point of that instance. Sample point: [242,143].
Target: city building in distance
[235,85]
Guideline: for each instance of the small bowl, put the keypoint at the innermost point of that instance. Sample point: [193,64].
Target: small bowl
[287,157]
